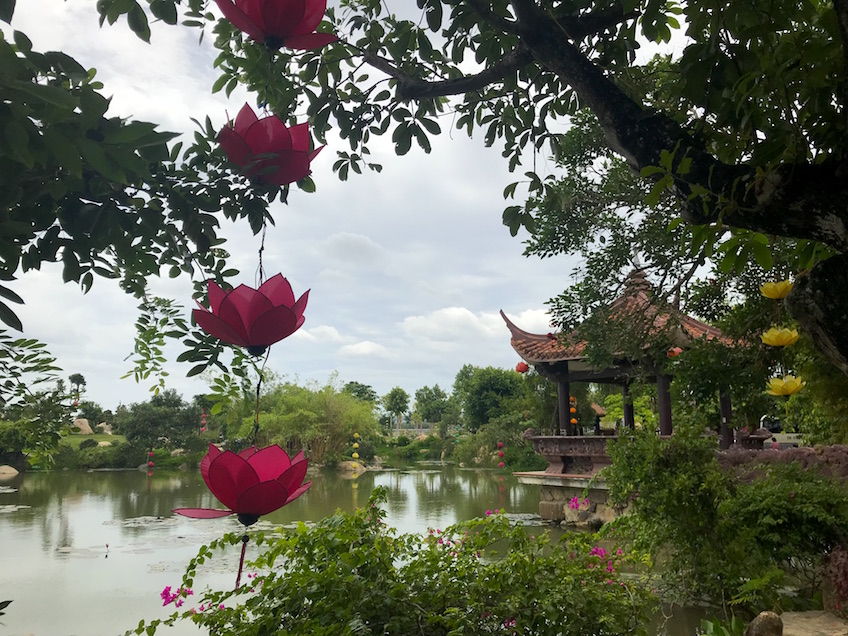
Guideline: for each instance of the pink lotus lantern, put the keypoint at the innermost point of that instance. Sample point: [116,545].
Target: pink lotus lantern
[276,23]
[267,149]
[252,318]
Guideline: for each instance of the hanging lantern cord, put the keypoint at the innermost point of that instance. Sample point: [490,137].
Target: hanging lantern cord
[261,269]
[245,538]
[256,413]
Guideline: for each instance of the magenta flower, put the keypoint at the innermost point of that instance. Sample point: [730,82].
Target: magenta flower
[500,464]
[276,23]
[252,318]
[267,149]
[250,484]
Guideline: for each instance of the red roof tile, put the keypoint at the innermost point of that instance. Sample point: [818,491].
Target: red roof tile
[637,300]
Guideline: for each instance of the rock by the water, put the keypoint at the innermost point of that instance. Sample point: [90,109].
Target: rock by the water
[84,427]
[7,472]
[351,467]
[104,444]
[766,624]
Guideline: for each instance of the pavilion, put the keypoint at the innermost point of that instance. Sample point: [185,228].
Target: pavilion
[562,359]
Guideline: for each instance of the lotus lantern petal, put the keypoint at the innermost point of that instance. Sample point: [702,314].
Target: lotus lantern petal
[776,290]
[251,483]
[276,23]
[252,318]
[267,149]
[785,386]
[780,337]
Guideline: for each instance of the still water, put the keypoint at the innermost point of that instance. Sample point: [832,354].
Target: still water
[87,554]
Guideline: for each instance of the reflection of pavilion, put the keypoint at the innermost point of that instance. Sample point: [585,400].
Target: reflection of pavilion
[563,360]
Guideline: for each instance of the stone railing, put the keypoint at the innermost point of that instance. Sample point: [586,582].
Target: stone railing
[585,455]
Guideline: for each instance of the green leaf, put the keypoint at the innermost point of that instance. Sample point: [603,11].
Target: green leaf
[8,294]
[7,9]
[195,370]
[137,20]
[8,316]
[763,255]
[64,151]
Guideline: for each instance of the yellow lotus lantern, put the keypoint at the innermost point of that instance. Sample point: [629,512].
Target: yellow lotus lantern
[356,444]
[356,435]
[776,290]
[785,386]
[355,455]
[780,337]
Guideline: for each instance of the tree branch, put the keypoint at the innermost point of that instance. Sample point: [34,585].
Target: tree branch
[412,88]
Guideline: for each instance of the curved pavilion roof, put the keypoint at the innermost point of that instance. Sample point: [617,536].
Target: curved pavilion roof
[637,300]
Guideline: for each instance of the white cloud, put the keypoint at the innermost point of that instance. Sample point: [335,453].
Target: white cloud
[408,268]
[365,348]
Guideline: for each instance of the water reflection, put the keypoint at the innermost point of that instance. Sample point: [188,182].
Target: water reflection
[102,545]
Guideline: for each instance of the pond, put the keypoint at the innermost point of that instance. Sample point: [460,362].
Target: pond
[87,554]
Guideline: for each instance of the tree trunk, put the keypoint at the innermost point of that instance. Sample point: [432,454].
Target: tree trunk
[819,302]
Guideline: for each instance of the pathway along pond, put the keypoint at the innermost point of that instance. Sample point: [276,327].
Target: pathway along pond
[87,554]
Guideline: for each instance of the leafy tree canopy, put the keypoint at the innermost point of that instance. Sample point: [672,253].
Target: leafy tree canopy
[396,401]
[164,418]
[431,403]
[362,391]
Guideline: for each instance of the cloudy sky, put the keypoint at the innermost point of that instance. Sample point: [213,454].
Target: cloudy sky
[407,268]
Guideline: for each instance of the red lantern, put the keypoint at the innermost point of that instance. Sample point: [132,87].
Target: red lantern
[574,420]
[250,484]
[522,367]
[267,149]
[674,352]
[252,318]
[276,23]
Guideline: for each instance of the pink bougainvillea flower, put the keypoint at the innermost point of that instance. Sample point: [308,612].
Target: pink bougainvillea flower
[276,23]
[522,367]
[266,148]
[252,318]
[250,484]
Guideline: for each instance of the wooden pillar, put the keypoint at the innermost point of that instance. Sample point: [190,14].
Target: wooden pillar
[664,404]
[629,415]
[563,404]
[725,431]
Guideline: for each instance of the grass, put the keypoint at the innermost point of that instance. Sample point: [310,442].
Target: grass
[75,440]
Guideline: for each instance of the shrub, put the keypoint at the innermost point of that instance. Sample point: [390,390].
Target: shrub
[87,443]
[736,539]
[349,574]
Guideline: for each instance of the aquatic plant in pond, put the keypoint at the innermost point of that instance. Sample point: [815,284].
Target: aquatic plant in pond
[351,573]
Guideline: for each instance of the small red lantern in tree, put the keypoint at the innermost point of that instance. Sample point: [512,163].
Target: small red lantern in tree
[522,367]
[252,318]
[673,352]
[267,149]
[500,444]
[276,23]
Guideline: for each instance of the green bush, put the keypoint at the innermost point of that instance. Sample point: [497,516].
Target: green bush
[725,540]
[87,443]
[349,574]
[518,453]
